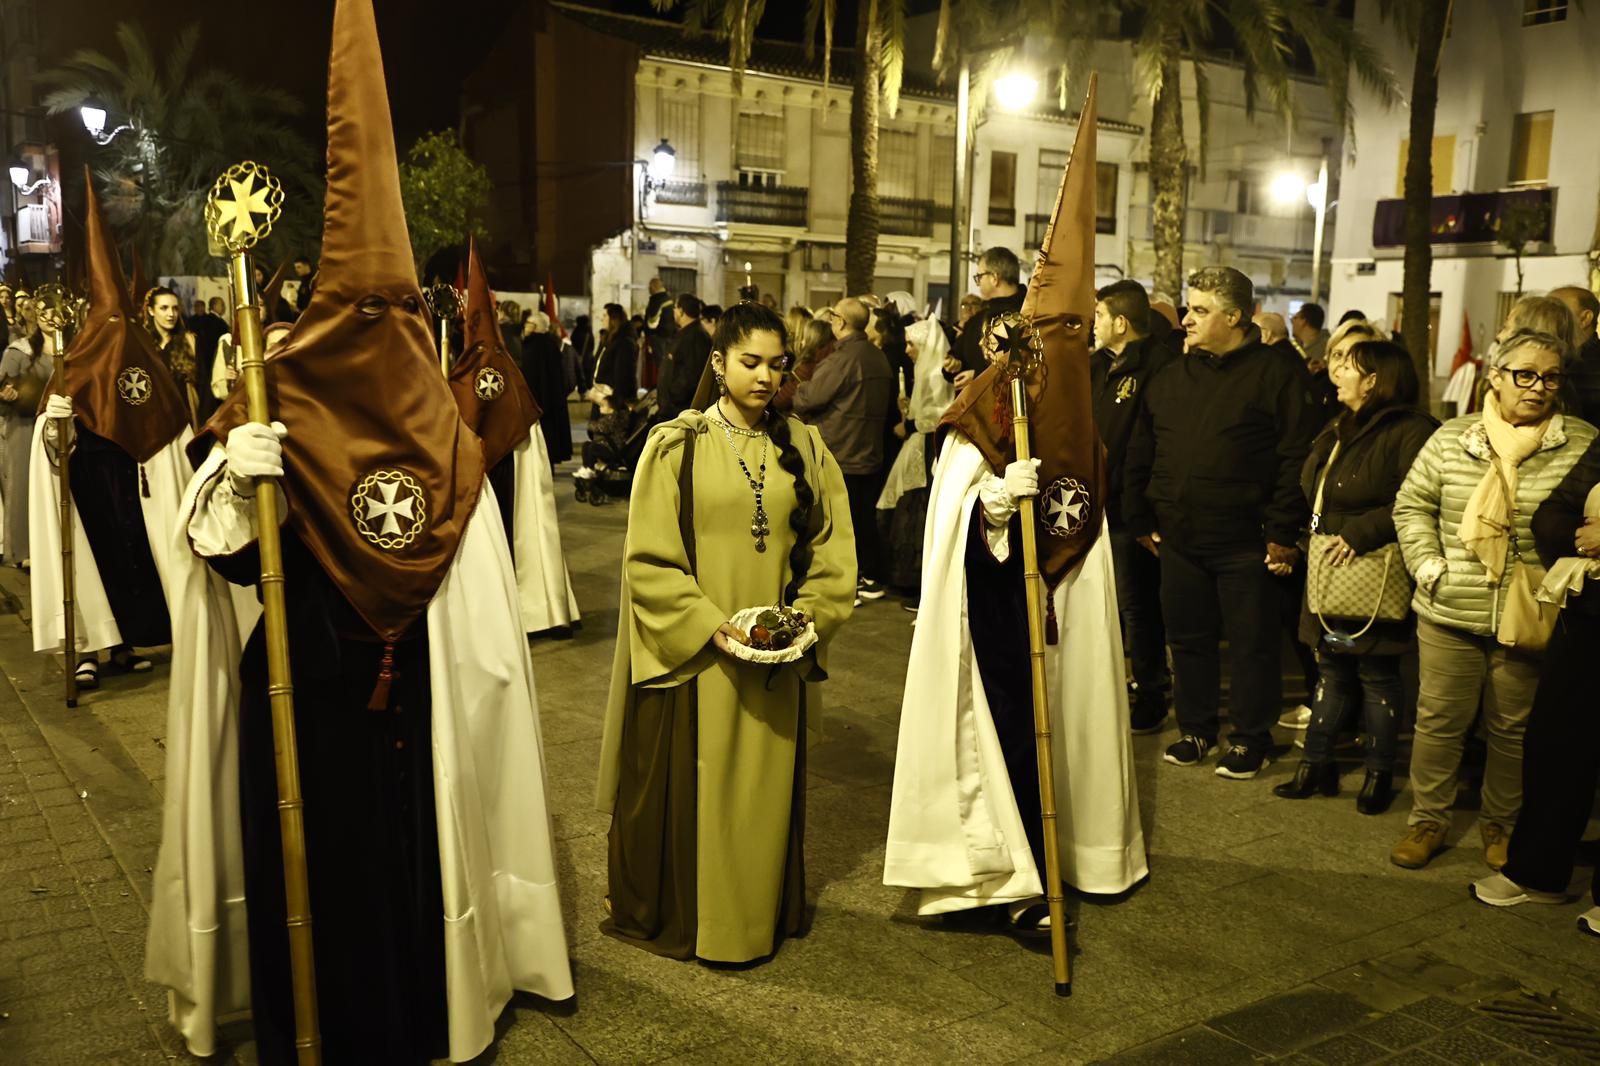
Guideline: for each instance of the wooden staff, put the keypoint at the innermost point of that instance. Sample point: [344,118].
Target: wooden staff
[280,686]
[1033,584]
[69,578]
[444,300]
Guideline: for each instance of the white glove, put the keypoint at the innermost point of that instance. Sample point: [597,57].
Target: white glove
[1001,496]
[58,406]
[254,451]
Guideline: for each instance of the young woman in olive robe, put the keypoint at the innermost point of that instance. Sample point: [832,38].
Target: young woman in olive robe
[703,764]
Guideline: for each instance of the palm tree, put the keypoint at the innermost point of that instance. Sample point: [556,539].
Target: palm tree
[1173,32]
[188,126]
[1423,23]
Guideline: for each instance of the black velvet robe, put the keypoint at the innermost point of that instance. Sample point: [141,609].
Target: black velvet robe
[372,844]
[106,489]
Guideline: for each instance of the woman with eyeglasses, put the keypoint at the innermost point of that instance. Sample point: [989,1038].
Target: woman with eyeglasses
[1464,521]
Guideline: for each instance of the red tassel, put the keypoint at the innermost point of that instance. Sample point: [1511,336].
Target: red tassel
[144,482]
[1052,632]
[380,691]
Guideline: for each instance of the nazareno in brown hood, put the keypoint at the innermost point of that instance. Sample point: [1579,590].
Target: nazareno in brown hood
[1060,307]
[494,397]
[380,472]
[114,373]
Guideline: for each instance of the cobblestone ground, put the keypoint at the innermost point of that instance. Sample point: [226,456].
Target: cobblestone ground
[1268,930]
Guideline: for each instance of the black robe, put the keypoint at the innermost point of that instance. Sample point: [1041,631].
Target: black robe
[547,379]
[372,846]
[106,487]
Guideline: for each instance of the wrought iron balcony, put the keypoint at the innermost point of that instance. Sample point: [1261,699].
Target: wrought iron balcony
[906,218]
[763,205]
[1467,218]
[1002,216]
[683,193]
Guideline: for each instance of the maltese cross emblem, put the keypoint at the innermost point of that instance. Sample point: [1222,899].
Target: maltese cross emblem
[489,384]
[1066,507]
[389,509]
[133,385]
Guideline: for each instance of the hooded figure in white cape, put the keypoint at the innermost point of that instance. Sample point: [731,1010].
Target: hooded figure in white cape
[497,404]
[128,470]
[428,844]
[964,822]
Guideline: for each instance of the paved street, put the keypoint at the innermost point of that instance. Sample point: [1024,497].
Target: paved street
[1267,930]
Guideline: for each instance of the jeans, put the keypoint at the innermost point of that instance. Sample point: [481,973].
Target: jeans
[1373,682]
[1139,602]
[1200,595]
[1458,671]
[1561,762]
[863,491]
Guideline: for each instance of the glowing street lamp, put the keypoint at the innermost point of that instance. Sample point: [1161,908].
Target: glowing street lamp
[20,173]
[93,113]
[1016,91]
[1287,188]
[663,162]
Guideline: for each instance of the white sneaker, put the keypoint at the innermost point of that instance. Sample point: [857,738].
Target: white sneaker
[1299,718]
[1589,921]
[1498,890]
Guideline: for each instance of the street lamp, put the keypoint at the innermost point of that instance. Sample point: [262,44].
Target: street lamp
[93,113]
[1017,90]
[20,173]
[1287,188]
[663,162]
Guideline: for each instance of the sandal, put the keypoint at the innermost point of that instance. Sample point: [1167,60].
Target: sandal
[1030,923]
[87,674]
[126,660]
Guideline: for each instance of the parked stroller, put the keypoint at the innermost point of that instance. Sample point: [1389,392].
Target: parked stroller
[616,440]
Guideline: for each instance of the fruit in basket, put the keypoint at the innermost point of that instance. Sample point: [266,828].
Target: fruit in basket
[777,628]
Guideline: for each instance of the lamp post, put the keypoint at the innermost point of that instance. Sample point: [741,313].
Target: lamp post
[1015,91]
[658,170]
[20,173]
[1287,187]
[93,114]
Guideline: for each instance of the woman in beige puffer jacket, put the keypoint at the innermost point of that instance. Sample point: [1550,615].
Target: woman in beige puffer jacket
[1462,583]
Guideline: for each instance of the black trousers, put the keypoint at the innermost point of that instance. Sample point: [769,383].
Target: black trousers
[863,491]
[1204,593]
[1139,602]
[1560,761]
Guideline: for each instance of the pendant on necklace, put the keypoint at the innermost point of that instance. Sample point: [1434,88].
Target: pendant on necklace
[759,528]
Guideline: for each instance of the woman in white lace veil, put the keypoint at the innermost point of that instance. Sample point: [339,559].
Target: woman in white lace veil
[904,502]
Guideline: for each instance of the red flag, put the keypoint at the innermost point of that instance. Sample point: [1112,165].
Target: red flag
[550,307]
[1463,353]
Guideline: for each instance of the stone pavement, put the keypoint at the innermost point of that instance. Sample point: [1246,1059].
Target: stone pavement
[1269,930]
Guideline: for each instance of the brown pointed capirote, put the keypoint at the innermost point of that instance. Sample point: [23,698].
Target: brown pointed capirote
[489,387]
[357,380]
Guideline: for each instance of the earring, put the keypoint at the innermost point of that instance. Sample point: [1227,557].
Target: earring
[722,384]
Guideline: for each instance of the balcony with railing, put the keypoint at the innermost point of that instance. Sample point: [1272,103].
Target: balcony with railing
[761,205]
[905,218]
[1468,218]
[681,193]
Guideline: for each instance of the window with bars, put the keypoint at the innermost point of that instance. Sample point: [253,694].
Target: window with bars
[680,124]
[1105,198]
[1530,147]
[760,142]
[944,165]
[897,164]
[1002,188]
[1052,164]
[1543,12]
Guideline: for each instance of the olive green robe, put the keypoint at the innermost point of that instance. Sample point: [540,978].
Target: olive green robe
[700,753]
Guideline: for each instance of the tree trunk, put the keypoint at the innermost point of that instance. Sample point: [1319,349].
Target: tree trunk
[1169,158]
[862,225]
[1417,287]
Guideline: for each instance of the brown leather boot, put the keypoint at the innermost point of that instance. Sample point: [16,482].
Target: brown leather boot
[1422,842]
[1496,844]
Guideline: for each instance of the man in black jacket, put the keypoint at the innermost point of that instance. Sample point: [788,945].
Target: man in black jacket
[1118,372]
[999,282]
[1213,487]
[681,370]
[1584,368]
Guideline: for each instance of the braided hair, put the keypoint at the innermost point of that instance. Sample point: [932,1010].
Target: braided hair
[734,328]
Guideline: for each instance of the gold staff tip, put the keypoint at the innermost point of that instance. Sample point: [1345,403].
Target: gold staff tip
[242,206]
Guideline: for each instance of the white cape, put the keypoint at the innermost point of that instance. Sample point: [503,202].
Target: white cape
[544,589]
[502,909]
[955,830]
[165,473]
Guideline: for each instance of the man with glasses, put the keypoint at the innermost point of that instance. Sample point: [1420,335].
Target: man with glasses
[999,282]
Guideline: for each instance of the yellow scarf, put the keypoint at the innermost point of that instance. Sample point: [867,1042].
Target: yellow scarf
[1486,523]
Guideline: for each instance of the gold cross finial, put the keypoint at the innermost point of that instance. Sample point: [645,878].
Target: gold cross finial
[244,203]
[444,300]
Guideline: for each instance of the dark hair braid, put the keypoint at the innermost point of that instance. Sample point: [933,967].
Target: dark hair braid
[790,460]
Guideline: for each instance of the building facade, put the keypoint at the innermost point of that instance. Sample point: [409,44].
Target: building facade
[1512,152]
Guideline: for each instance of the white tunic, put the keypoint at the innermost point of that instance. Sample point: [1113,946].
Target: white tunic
[955,830]
[502,909]
[544,589]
